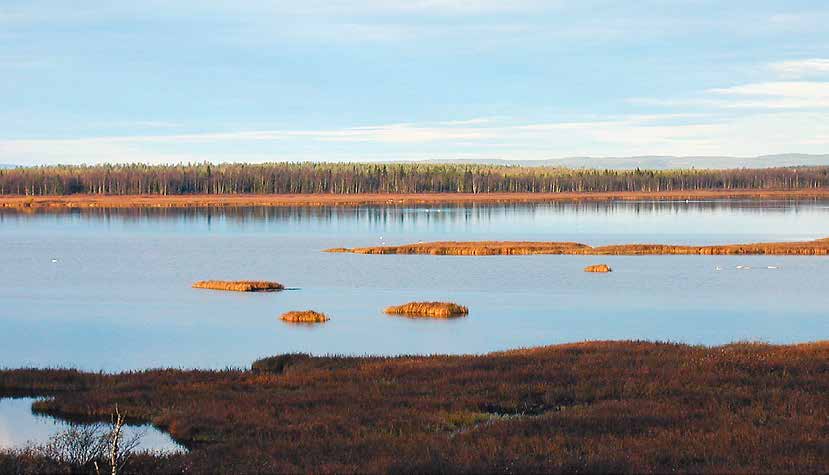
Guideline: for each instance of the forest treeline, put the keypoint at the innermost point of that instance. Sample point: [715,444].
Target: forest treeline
[351,178]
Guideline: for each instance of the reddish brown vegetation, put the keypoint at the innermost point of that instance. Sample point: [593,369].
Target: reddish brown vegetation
[819,247]
[304,316]
[429,309]
[598,268]
[239,285]
[312,199]
[592,407]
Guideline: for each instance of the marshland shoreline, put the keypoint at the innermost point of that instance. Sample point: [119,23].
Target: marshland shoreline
[330,199]
[602,406]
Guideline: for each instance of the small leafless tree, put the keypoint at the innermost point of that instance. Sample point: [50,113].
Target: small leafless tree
[80,445]
[89,447]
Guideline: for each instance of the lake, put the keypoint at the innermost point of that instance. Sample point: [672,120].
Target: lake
[110,289]
[20,427]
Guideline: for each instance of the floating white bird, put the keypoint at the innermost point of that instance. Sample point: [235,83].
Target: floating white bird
[54,260]
[718,268]
[773,267]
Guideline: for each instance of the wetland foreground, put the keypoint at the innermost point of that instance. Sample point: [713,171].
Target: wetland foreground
[595,407]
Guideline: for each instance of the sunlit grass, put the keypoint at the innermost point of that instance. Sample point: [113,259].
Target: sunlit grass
[428,309]
[239,285]
[819,247]
[304,316]
[598,268]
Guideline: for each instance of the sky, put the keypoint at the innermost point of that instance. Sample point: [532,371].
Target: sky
[169,81]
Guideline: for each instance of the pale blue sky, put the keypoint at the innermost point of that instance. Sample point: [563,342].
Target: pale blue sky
[251,80]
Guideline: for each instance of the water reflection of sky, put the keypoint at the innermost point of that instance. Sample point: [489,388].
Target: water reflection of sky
[118,295]
[20,427]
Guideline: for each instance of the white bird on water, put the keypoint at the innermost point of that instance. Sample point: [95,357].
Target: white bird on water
[54,260]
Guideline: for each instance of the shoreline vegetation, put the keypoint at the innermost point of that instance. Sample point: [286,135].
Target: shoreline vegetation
[620,406]
[239,285]
[818,247]
[304,316]
[428,310]
[35,202]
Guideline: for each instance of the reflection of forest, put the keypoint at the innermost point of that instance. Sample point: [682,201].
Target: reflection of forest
[448,213]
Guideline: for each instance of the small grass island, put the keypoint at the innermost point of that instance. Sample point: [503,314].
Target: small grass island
[304,316]
[601,268]
[239,285]
[429,310]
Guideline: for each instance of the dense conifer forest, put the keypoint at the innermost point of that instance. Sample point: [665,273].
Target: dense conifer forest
[352,178]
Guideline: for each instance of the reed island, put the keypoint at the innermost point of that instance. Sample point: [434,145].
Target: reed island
[239,285]
[818,247]
[429,310]
[304,316]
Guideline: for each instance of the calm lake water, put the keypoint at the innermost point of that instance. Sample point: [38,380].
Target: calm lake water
[110,289]
[20,427]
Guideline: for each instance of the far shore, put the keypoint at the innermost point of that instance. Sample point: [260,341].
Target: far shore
[242,200]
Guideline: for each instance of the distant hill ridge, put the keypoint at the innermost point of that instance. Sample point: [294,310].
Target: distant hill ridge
[661,162]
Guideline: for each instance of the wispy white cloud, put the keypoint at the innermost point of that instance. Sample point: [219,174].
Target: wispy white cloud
[671,134]
[801,67]
[473,121]
[776,95]
[806,95]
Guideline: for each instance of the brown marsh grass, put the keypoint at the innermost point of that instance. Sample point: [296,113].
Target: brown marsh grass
[591,407]
[239,285]
[819,247]
[598,268]
[304,316]
[428,309]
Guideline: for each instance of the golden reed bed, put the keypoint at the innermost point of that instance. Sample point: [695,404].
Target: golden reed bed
[304,316]
[239,285]
[819,247]
[429,309]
